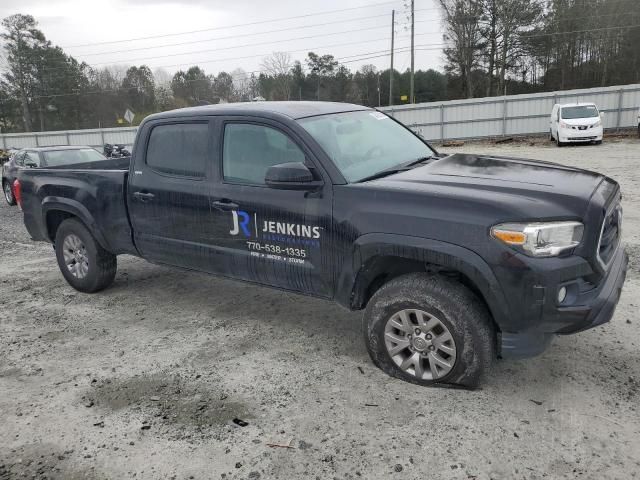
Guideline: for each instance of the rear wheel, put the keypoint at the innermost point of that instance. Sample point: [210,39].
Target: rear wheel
[85,265]
[427,329]
[8,192]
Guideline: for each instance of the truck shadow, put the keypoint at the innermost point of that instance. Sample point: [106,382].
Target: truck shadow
[244,319]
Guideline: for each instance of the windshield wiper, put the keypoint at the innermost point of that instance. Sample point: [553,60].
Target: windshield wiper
[398,168]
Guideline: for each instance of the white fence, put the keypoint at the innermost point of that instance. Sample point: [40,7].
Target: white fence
[94,137]
[455,119]
[514,114]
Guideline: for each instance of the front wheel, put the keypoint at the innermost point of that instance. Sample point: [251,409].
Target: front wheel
[428,329]
[85,265]
[8,192]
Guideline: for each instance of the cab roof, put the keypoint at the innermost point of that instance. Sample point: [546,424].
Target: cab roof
[293,110]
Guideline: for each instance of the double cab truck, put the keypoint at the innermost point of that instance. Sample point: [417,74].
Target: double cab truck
[455,259]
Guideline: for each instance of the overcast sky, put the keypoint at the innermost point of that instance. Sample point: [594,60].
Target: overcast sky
[228,42]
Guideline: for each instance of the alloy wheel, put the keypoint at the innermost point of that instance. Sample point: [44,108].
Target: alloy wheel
[420,344]
[75,256]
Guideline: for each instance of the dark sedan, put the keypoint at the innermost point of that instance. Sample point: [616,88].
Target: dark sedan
[44,157]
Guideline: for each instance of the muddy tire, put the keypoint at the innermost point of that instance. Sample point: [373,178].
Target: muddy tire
[428,329]
[85,265]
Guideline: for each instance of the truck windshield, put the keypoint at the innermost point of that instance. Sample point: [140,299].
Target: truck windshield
[588,111]
[54,158]
[364,143]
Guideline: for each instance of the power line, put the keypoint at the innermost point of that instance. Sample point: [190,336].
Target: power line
[385,15]
[341,44]
[257,44]
[191,42]
[227,27]
[190,52]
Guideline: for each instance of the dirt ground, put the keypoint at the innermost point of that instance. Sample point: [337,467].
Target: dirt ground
[144,379]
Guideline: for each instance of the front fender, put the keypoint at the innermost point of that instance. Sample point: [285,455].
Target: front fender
[354,278]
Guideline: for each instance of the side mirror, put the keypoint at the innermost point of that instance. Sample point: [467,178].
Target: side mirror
[291,176]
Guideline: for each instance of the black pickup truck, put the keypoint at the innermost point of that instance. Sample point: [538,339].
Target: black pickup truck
[455,259]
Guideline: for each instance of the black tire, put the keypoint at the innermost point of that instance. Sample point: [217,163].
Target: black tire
[102,265]
[551,135]
[8,192]
[598,142]
[559,143]
[456,307]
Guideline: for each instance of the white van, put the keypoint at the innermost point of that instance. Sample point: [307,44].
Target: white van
[576,122]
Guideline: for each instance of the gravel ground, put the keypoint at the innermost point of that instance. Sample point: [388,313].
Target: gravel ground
[144,379]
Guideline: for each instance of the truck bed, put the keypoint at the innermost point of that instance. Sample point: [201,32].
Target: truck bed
[94,192]
[108,164]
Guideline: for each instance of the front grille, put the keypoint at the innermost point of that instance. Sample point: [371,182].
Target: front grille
[610,236]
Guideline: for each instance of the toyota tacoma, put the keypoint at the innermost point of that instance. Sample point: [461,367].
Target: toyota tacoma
[455,259]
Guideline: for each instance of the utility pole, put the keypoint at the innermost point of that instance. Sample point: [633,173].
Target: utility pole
[393,21]
[412,97]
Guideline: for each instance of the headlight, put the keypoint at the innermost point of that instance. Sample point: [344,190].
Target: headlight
[563,125]
[540,239]
[597,124]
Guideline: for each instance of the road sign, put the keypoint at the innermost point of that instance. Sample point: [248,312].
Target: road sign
[129,116]
[404,98]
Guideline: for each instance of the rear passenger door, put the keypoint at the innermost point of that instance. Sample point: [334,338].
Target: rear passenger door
[280,238]
[168,193]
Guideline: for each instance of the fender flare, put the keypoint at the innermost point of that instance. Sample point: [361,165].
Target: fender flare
[76,209]
[430,252]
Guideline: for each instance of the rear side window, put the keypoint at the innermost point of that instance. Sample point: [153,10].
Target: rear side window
[179,149]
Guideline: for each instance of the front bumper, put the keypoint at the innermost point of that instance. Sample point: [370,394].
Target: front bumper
[588,135]
[589,307]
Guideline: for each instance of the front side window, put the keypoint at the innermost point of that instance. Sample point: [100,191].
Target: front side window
[588,111]
[179,149]
[364,143]
[69,157]
[249,150]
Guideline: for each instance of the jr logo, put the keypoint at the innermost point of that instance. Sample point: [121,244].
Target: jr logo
[240,221]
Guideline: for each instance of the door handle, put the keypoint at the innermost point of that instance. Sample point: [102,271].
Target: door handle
[143,197]
[224,205]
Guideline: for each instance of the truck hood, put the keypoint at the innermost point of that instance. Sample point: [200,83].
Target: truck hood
[527,185]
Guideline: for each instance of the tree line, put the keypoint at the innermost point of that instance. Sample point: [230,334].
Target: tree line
[495,47]
[491,47]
